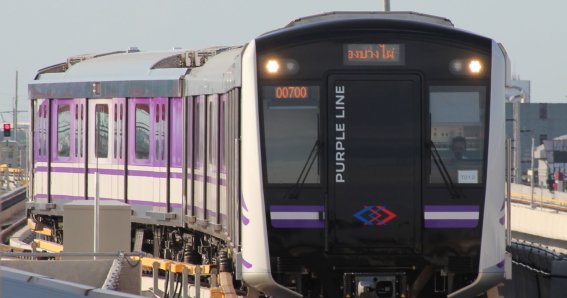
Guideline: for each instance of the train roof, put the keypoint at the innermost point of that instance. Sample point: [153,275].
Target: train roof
[376,15]
[114,66]
[412,22]
[134,73]
[219,75]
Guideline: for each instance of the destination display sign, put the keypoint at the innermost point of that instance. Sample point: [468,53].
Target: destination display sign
[374,54]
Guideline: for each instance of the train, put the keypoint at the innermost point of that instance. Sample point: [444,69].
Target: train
[347,154]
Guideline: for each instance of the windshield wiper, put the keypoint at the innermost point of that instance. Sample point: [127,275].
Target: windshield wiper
[293,193]
[449,185]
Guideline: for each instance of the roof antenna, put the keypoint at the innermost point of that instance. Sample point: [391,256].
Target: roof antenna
[387,5]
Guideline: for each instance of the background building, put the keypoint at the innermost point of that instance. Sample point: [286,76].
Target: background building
[526,120]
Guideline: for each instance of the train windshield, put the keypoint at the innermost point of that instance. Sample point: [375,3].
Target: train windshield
[458,133]
[291,126]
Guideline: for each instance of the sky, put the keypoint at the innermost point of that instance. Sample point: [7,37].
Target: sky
[39,33]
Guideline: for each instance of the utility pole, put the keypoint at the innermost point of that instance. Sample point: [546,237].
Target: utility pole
[532,182]
[387,5]
[15,117]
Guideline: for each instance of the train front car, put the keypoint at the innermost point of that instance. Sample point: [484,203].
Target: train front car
[372,158]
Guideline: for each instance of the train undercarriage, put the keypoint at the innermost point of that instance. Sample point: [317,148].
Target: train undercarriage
[306,276]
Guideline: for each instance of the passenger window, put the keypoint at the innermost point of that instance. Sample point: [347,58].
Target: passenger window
[101,130]
[457,134]
[76,131]
[199,131]
[115,134]
[82,134]
[176,132]
[163,131]
[190,132]
[291,130]
[212,131]
[157,132]
[63,130]
[39,130]
[121,128]
[142,133]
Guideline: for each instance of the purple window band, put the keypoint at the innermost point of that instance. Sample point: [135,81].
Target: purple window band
[297,216]
[451,216]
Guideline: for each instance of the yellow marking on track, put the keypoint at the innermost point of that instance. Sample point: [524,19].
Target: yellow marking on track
[39,228]
[48,245]
[176,267]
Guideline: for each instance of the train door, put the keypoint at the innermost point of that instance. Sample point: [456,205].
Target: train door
[160,128]
[41,157]
[67,170]
[199,172]
[374,163]
[100,154]
[191,212]
[176,156]
[79,134]
[212,153]
[222,168]
[140,183]
[118,137]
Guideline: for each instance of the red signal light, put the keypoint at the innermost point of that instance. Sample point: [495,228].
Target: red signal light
[7,129]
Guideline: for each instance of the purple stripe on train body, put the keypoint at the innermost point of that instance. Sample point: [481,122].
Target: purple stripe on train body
[140,173]
[302,224]
[135,173]
[176,205]
[451,223]
[500,264]
[112,172]
[175,175]
[246,264]
[77,198]
[147,203]
[296,208]
[452,208]
[243,202]
[154,204]
[41,169]
[245,220]
[67,170]
[66,197]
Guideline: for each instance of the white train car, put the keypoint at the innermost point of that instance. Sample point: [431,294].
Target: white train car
[345,155]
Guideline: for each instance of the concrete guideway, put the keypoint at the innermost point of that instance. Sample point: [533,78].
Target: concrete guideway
[545,222]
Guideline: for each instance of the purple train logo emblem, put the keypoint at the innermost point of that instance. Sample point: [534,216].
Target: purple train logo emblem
[375,215]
